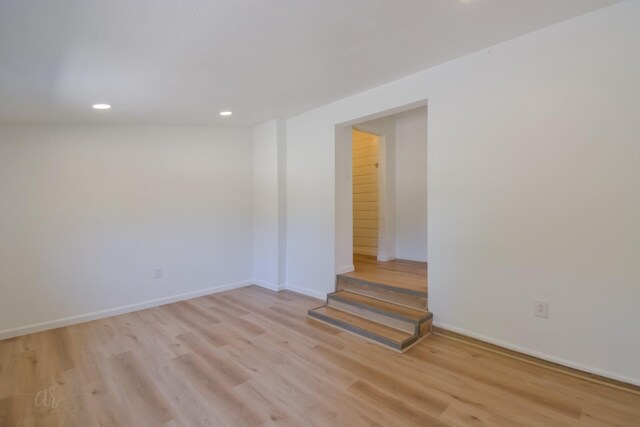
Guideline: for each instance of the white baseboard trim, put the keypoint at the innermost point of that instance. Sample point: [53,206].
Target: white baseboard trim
[308,292]
[81,318]
[385,258]
[539,355]
[410,258]
[346,269]
[267,285]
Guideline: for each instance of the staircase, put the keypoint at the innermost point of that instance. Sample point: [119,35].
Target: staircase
[387,314]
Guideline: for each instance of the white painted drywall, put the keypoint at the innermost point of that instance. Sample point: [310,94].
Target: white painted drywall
[265,158]
[269,158]
[282,202]
[344,199]
[87,214]
[534,190]
[411,184]
[174,62]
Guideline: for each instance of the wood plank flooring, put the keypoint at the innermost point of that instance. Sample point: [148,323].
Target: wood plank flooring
[250,357]
[411,275]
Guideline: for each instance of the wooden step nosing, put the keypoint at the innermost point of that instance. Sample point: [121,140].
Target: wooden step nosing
[385,286]
[364,292]
[387,313]
[352,310]
[335,295]
[360,331]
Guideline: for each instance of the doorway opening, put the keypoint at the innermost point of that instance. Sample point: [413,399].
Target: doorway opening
[389,200]
[381,229]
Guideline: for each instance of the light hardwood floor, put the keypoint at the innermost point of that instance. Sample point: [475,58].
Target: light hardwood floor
[250,357]
[410,275]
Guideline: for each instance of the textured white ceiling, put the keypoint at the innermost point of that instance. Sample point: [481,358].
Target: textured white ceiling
[182,61]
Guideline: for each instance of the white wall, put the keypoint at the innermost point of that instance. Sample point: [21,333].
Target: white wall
[282,202]
[265,158]
[89,212]
[411,184]
[269,158]
[344,199]
[534,190]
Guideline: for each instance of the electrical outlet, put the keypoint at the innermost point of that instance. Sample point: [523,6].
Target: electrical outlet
[158,273]
[541,309]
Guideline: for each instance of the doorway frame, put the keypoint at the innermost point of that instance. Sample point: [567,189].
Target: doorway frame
[343,164]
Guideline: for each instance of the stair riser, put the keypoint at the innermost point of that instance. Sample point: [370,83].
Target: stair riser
[382,293]
[425,328]
[407,326]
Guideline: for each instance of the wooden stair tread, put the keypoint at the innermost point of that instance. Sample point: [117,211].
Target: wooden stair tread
[381,292]
[385,302]
[403,274]
[385,307]
[362,326]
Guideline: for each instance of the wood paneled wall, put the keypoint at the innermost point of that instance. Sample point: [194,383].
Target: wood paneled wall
[365,193]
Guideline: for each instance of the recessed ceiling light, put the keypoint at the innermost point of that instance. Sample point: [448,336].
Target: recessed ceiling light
[225,113]
[101,106]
